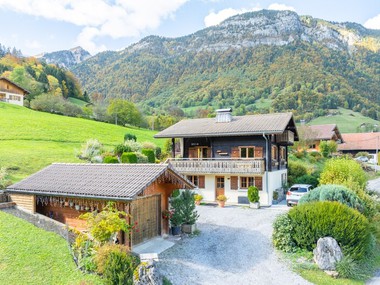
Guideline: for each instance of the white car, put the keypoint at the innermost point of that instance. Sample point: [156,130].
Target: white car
[295,193]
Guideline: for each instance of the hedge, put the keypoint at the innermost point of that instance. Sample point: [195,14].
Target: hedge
[149,153]
[110,159]
[128,157]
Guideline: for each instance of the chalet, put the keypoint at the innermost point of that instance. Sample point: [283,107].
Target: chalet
[11,92]
[227,154]
[317,133]
[64,191]
[357,142]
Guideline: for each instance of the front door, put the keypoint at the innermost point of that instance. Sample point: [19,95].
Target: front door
[219,186]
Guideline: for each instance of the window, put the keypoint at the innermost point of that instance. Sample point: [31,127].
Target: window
[219,182]
[247,152]
[274,152]
[245,182]
[312,146]
[198,181]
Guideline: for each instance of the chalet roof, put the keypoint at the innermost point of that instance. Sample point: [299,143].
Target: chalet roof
[103,181]
[360,141]
[325,132]
[275,123]
[15,84]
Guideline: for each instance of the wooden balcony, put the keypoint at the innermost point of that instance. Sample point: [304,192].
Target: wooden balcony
[286,138]
[218,166]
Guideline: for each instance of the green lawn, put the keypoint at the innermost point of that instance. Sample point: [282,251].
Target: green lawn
[31,140]
[348,121]
[29,255]
[78,102]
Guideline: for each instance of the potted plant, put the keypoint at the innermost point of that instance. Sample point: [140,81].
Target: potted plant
[198,198]
[253,197]
[275,198]
[221,199]
[176,218]
[188,212]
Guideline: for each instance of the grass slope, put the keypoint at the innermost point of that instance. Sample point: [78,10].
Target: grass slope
[31,140]
[348,121]
[78,102]
[29,255]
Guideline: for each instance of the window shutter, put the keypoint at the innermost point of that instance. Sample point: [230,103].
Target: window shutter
[235,152]
[234,183]
[258,152]
[193,152]
[201,181]
[208,152]
[259,183]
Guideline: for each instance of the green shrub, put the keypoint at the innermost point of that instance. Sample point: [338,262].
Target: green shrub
[315,154]
[337,193]
[120,149]
[253,194]
[130,137]
[133,146]
[141,158]
[307,179]
[116,264]
[344,171]
[312,221]
[148,145]
[295,170]
[110,159]
[149,153]
[128,157]
[362,153]
[187,207]
[282,234]
[158,152]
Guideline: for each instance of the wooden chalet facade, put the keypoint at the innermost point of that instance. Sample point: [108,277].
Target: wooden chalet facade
[317,133]
[227,154]
[65,191]
[12,93]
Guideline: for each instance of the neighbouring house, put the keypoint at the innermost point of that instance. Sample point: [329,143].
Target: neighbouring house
[65,191]
[316,133]
[11,92]
[358,142]
[227,154]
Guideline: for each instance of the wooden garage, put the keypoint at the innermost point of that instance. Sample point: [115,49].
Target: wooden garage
[64,191]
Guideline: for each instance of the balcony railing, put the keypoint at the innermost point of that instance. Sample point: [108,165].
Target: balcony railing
[218,165]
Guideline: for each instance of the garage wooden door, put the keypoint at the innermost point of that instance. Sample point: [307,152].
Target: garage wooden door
[146,211]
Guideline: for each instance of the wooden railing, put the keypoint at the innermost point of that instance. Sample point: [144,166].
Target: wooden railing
[217,165]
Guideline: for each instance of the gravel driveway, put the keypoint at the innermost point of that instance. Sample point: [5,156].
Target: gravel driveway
[234,247]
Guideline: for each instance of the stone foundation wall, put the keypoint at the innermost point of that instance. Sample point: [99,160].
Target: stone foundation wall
[42,222]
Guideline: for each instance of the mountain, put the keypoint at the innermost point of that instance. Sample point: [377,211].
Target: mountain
[65,58]
[296,63]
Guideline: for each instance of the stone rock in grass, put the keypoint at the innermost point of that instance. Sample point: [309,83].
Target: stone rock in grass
[327,253]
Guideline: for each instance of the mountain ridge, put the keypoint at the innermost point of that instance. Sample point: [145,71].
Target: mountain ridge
[264,54]
[65,58]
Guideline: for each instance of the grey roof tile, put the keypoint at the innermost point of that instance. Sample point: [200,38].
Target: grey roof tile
[121,181]
[239,126]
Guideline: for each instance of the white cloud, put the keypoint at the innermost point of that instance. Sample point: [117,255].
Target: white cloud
[213,18]
[373,23]
[281,7]
[116,19]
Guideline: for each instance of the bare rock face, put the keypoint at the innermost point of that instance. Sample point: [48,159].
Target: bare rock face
[327,253]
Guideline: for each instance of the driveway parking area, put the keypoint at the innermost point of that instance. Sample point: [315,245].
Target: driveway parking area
[234,247]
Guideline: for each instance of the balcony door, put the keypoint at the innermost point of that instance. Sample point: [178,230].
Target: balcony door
[199,152]
[219,186]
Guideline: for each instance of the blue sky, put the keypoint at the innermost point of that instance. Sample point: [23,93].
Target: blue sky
[36,26]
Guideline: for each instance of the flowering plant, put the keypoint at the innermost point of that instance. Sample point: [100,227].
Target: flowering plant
[167,214]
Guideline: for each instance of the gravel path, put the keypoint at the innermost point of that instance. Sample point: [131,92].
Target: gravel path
[234,247]
[374,184]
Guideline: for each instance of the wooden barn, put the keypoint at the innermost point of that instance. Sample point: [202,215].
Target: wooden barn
[65,191]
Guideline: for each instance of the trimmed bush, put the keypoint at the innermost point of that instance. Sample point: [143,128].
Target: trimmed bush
[253,194]
[332,192]
[133,146]
[116,264]
[149,153]
[130,137]
[148,145]
[158,152]
[128,157]
[282,234]
[141,158]
[110,159]
[351,229]
[120,149]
